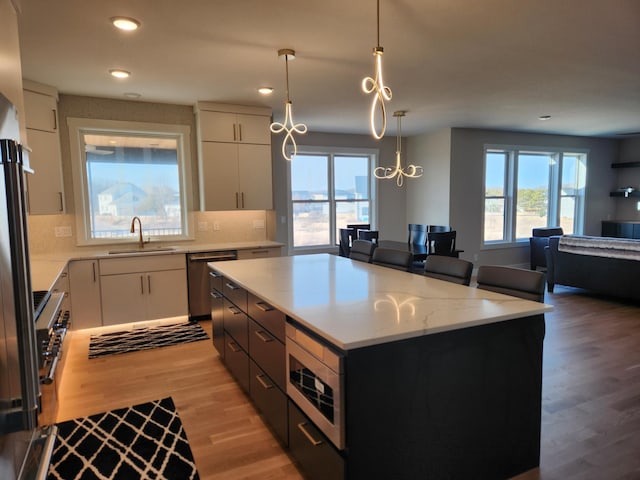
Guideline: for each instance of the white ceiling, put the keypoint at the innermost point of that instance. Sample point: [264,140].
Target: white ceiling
[496,64]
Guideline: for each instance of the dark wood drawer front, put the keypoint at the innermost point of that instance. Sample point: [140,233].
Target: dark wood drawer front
[237,362]
[235,323]
[215,281]
[235,293]
[266,315]
[268,352]
[270,400]
[217,320]
[315,454]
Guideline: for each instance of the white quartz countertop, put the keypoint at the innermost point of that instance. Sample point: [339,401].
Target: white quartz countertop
[45,268]
[354,304]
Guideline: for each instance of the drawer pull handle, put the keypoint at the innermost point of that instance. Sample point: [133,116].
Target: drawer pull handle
[232,286]
[234,310]
[263,336]
[232,346]
[313,441]
[215,274]
[265,307]
[215,295]
[264,384]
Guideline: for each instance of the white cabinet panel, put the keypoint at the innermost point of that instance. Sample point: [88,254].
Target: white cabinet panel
[234,127]
[84,288]
[165,296]
[44,187]
[41,111]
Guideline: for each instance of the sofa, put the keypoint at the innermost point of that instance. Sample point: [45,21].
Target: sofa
[609,266]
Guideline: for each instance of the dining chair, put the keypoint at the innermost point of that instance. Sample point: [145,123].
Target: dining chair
[344,247]
[362,250]
[450,269]
[356,227]
[442,243]
[439,228]
[371,235]
[388,257]
[417,234]
[518,282]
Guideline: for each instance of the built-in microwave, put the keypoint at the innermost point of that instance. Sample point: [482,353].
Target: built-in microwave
[315,383]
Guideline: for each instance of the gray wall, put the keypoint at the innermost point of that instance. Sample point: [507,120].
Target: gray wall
[627,208]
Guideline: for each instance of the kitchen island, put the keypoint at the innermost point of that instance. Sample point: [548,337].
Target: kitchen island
[436,380]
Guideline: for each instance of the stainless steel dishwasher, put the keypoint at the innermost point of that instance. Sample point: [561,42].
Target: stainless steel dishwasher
[198,274]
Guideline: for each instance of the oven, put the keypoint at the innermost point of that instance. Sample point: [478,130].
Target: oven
[315,382]
[52,322]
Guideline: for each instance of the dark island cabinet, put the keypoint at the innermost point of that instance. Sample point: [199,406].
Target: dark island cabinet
[611,228]
[249,336]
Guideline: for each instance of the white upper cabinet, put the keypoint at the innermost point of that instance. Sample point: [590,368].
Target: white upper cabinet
[45,187]
[234,146]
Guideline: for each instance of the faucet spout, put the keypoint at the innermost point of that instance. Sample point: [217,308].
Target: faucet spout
[133,230]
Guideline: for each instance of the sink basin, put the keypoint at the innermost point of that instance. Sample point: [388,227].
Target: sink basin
[142,250]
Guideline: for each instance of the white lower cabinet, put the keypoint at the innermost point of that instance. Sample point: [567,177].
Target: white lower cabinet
[84,288]
[143,288]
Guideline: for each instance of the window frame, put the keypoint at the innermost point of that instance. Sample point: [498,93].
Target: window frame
[331,152]
[80,126]
[512,154]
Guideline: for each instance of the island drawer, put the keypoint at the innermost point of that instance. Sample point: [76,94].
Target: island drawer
[270,401]
[235,293]
[268,352]
[237,362]
[235,324]
[268,316]
[216,281]
[313,451]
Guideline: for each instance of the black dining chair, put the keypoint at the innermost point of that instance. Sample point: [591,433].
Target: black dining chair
[356,227]
[450,269]
[442,243]
[346,238]
[518,282]
[388,257]
[370,235]
[439,228]
[362,250]
[417,234]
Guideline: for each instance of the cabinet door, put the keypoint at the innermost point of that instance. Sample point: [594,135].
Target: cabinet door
[254,129]
[254,172]
[217,127]
[219,176]
[123,298]
[166,294]
[41,111]
[84,289]
[45,187]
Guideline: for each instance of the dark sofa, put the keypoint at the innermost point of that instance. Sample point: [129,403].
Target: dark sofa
[607,275]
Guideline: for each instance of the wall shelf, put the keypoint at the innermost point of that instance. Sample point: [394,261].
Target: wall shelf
[635,193]
[626,165]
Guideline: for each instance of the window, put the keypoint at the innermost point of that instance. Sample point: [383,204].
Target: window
[529,188]
[329,189]
[127,169]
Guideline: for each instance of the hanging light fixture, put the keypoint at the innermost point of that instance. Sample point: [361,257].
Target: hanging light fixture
[377,87]
[288,125]
[411,171]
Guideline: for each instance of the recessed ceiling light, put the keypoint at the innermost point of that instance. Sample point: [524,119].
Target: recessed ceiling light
[125,23]
[118,73]
[265,90]
[544,117]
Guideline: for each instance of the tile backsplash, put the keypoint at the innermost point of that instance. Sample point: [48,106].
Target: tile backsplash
[55,233]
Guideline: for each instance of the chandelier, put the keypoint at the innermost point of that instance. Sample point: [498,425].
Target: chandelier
[288,125]
[410,171]
[376,86]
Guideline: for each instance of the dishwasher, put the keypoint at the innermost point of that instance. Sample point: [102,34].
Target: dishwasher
[198,280]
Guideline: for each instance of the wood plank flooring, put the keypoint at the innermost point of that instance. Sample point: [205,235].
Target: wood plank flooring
[590,412]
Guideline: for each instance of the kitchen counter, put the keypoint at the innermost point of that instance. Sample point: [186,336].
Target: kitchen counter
[354,304]
[45,268]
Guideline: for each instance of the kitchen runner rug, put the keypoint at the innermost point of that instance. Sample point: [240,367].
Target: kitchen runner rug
[144,441]
[145,338]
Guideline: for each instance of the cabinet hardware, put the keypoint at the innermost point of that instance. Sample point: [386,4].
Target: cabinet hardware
[141,285]
[61,203]
[242,197]
[265,307]
[55,119]
[93,264]
[149,283]
[264,384]
[239,132]
[215,295]
[234,310]
[234,133]
[237,204]
[215,274]
[232,286]
[262,336]
[313,441]
[232,346]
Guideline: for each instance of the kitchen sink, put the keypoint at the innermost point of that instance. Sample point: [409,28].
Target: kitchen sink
[142,250]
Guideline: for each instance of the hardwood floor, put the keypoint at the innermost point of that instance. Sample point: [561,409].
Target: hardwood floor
[590,412]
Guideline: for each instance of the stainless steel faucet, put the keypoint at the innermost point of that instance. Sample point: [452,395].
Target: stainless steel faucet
[133,230]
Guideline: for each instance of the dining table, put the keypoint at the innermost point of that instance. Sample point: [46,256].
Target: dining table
[418,252]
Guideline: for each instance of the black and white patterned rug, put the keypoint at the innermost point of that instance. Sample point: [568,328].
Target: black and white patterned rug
[145,338]
[144,441]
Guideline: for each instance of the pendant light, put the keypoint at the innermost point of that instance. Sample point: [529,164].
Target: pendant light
[377,87]
[288,125]
[411,171]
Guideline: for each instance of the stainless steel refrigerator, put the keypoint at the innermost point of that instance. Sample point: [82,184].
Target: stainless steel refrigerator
[23,445]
